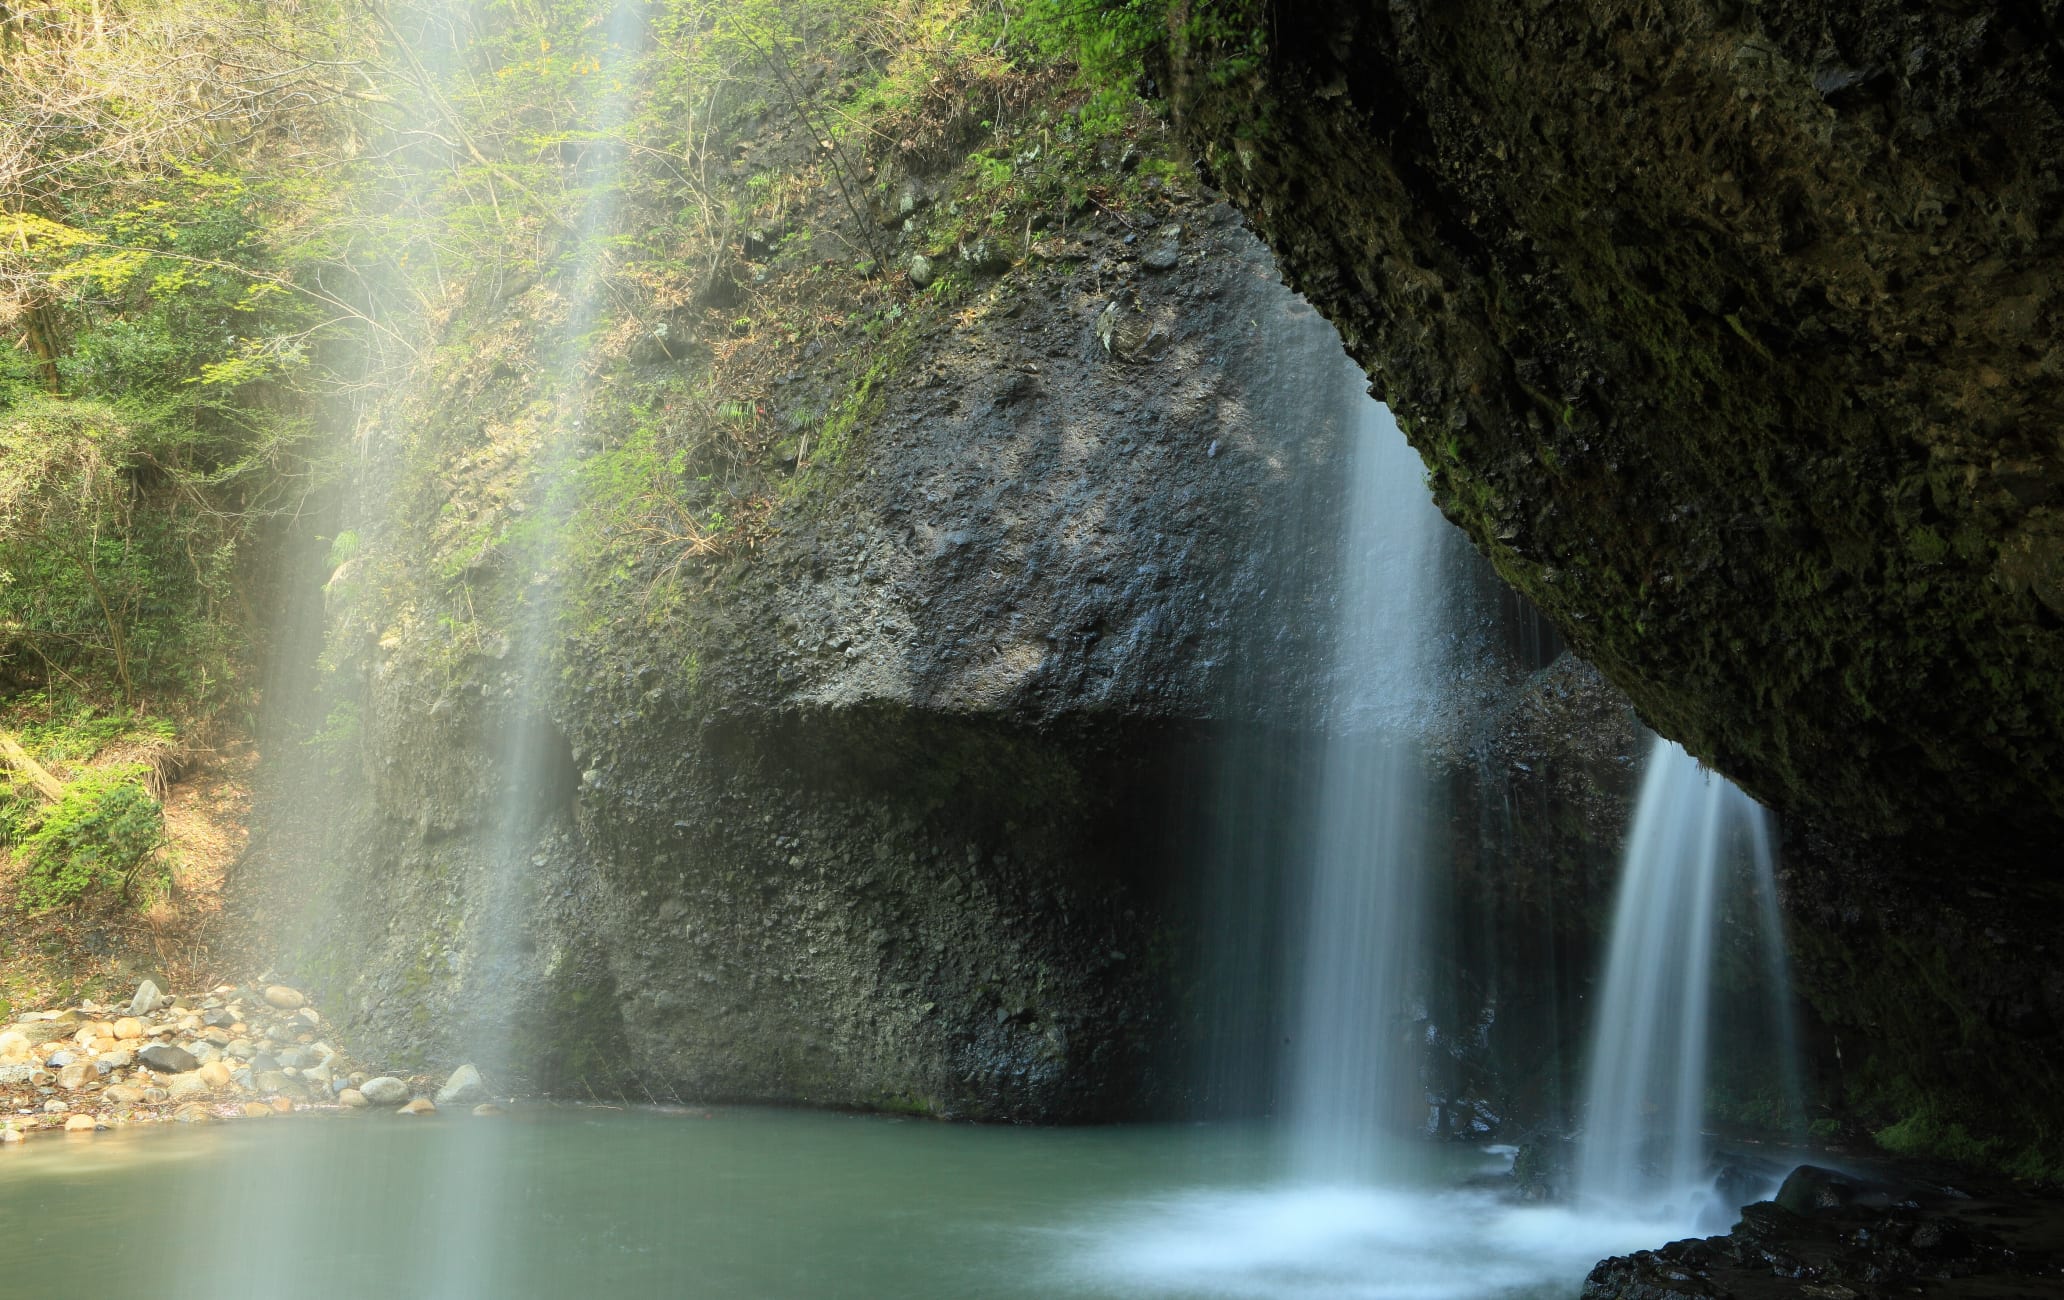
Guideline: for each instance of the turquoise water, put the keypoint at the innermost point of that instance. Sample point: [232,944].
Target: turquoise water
[757,1203]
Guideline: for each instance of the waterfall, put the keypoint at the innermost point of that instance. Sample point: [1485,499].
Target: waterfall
[1357,1040]
[1644,1109]
[473,1178]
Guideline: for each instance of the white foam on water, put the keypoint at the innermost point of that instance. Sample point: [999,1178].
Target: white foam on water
[1367,1243]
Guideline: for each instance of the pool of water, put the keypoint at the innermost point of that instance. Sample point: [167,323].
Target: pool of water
[760,1203]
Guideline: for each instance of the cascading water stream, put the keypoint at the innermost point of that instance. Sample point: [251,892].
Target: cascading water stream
[1354,1066]
[1644,1143]
[530,757]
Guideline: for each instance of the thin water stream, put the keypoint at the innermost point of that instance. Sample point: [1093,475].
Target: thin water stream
[1694,836]
[1354,1061]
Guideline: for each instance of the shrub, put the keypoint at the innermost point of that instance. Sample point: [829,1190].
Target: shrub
[102,834]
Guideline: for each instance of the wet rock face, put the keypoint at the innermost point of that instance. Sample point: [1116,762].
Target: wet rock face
[917,808]
[887,821]
[1838,1236]
[1729,332]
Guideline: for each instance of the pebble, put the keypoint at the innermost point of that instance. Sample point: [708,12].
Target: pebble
[284,998]
[107,1063]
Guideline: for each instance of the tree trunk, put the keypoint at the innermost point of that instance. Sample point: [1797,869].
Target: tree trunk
[13,755]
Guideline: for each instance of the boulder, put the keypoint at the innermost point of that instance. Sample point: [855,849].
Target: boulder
[38,1032]
[385,1091]
[420,1106]
[146,1000]
[353,1099]
[463,1088]
[167,1059]
[188,1087]
[81,1124]
[1810,1190]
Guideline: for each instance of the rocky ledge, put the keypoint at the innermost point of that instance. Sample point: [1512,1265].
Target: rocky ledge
[1729,332]
[1835,1236]
[235,1052]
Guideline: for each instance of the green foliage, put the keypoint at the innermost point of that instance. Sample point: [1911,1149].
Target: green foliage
[339,732]
[102,835]
[1108,41]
